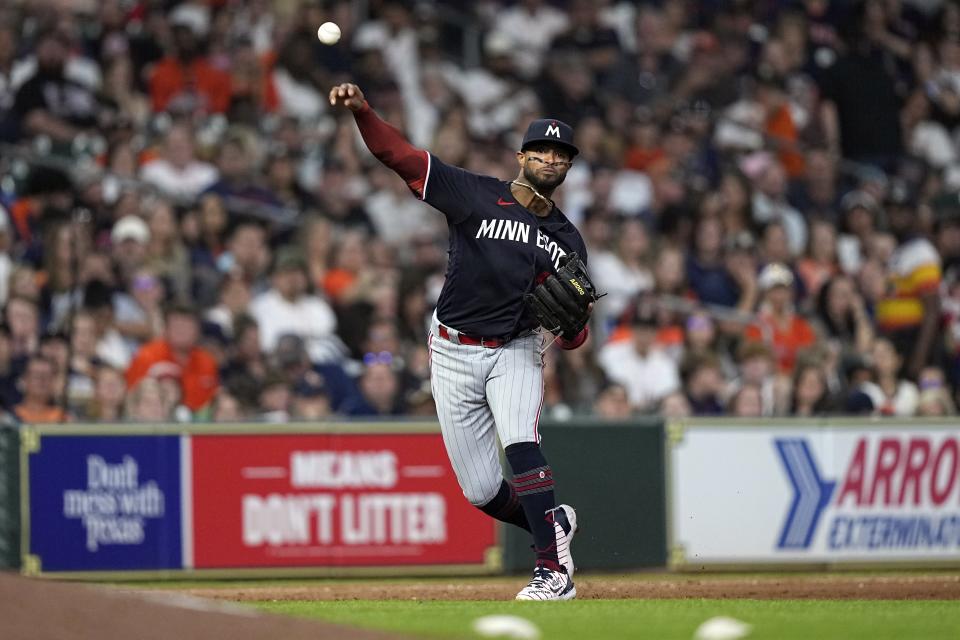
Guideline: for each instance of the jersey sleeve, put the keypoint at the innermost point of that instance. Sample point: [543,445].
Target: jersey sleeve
[451,190]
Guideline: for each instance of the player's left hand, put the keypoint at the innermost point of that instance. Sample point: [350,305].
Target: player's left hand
[562,303]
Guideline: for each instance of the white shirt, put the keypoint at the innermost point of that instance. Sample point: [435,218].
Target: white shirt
[309,317]
[398,217]
[766,209]
[297,99]
[184,183]
[530,34]
[114,350]
[646,379]
[620,282]
[902,403]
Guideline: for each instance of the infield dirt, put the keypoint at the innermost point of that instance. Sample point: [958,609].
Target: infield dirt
[938,586]
[35,609]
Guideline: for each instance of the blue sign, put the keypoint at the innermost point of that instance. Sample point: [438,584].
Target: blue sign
[811,493]
[106,502]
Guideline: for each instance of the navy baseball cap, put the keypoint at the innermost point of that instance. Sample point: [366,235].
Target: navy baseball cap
[549,130]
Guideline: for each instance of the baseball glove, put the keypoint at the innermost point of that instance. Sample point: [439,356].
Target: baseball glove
[562,302]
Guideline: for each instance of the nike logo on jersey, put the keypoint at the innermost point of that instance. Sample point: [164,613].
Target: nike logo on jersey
[504,203]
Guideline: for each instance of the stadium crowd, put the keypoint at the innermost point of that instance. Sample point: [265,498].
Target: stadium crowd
[768,190]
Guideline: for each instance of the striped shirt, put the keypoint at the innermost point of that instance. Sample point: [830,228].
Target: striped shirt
[914,271]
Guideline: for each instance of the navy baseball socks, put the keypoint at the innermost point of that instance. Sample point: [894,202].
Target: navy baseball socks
[533,481]
[505,507]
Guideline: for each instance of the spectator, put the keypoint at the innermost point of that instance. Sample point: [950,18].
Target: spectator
[529,27]
[770,205]
[9,372]
[709,278]
[910,314]
[860,213]
[810,397]
[623,272]
[177,354]
[50,104]
[185,81]
[274,398]
[612,403]
[643,369]
[38,404]
[287,308]
[703,384]
[757,367]
[148,402]
[129,238]
[747,402]
[891,395]
[226,408]
[7,263]
[820,262]
[248,255]
[166,253]
[935,403]
[675,406]
[108,396]
[177,173]
[778,323]
[239,185]
[246,360]
[23,319]
[138,310]
[842,314]
[380,389]
[83,361]
[310,402]
[291,358]
[860,98]
[234,301]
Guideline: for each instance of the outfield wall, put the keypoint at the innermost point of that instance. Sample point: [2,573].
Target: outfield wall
[380,498]
[828,493]
[174,500]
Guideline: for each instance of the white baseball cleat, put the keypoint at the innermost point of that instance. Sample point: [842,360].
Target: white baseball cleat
[548,585]
[565,525]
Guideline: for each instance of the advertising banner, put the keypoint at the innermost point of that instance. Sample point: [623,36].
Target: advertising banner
[105,503]
[783,494]
[331,500]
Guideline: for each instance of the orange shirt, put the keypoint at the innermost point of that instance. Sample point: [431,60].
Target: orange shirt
[780,126]
[199,376]
[170,78]
[914,272]
[337,281]
[785,341]
[47,414]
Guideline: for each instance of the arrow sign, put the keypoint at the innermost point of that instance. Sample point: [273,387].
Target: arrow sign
[811,493]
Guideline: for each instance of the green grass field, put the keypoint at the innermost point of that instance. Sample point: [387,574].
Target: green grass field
[660,619]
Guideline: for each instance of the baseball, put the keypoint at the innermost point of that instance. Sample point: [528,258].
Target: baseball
[722,628]
[501,626]
[328,33]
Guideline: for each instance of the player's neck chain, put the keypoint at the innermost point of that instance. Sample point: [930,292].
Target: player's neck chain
[536,193]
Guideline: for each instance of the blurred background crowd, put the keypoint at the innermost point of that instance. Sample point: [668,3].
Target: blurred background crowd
[768,190]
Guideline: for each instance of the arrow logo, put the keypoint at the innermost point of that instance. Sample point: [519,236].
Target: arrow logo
[811,493]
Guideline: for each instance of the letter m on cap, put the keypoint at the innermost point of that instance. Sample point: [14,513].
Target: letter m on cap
[553,130]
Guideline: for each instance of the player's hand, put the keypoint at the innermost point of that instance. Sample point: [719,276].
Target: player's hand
[347,94]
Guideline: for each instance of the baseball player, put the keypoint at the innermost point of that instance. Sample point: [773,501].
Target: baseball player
[516,265]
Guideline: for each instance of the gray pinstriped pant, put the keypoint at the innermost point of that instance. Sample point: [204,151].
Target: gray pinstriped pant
[482,394]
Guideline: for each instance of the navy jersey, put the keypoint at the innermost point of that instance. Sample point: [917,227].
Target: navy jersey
[498,248]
